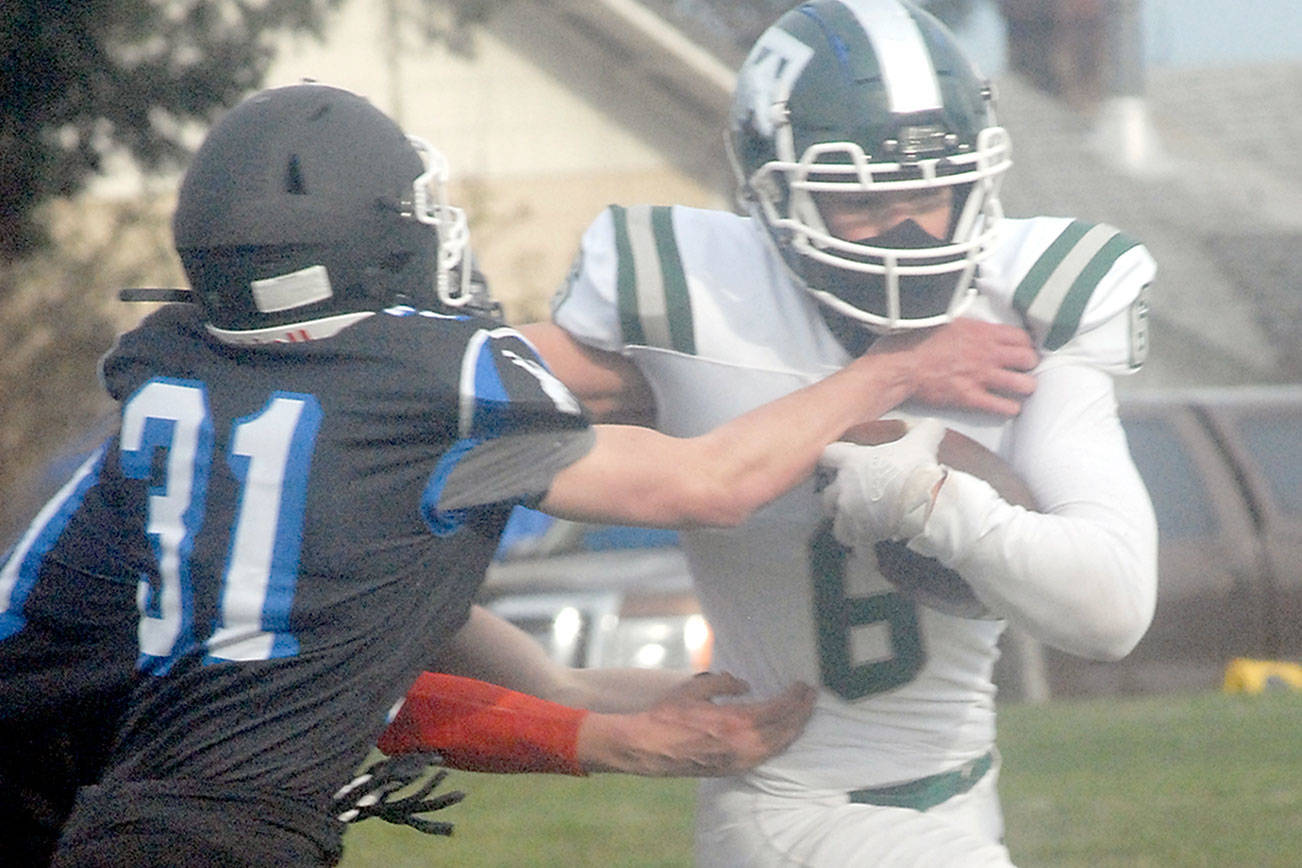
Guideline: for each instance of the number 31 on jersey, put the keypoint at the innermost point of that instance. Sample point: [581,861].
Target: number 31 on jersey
[269,456]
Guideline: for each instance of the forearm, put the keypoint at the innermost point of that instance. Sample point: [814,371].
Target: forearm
[667,722]
[762,454]
[765,452]
[622,691]
[641,477]
[1081,574]
[965,363]
[1082,580]
[490,648]
[483,727]
[720,478]
[632,744]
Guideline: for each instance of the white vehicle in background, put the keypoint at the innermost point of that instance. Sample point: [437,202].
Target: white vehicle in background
[599,595]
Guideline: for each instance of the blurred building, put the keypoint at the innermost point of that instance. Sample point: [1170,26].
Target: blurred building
[1058,45]
[547,113]
[551,110]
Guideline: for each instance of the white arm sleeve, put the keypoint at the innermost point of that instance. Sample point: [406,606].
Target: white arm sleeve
[1081,575]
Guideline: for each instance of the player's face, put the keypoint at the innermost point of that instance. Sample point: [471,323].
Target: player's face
[858,216]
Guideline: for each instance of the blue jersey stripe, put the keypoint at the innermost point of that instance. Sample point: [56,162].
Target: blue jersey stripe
[23,565]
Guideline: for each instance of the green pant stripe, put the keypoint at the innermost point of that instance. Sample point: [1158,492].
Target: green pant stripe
[626,279]
[677,301]
[1073,305]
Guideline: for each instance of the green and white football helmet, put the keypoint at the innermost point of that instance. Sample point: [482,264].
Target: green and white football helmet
[865,96]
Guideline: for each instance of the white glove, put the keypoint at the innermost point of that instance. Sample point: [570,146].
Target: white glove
[883,492]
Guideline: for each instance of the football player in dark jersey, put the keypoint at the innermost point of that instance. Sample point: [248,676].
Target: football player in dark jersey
[311,470]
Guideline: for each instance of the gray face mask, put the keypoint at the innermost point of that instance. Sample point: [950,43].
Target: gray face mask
[920,295]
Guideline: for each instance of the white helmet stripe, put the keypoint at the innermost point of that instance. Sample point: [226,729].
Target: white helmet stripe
[910,78]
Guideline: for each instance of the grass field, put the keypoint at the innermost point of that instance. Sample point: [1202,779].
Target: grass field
[1198,780]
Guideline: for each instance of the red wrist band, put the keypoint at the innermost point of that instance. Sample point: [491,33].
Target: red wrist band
[482,727]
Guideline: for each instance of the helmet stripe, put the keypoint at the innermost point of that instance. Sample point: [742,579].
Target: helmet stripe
[902,54]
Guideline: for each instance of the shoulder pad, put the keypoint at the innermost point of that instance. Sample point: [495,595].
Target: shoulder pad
[1068,279]
[655,308]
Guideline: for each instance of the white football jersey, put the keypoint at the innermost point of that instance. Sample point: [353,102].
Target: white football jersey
[703,305]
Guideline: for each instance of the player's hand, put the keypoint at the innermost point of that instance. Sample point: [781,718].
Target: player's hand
[883,492]
[687,735]
[373,793]
[968,363]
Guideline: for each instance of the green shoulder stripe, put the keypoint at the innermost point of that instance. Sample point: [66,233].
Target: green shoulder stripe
[655,308]
[1056,290]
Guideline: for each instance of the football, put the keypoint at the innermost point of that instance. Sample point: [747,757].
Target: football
[957,451]
[922,578]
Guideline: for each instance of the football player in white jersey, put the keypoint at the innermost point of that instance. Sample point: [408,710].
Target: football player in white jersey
[869,163]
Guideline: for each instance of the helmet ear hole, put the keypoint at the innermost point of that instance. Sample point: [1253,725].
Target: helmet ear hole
[294,185]
[395,261]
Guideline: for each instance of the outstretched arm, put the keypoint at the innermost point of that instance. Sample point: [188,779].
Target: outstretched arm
[478,726]
[490,648]
[636,476]
[971,364]
[666,723]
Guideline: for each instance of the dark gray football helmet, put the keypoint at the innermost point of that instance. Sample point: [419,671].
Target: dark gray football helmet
[306,202]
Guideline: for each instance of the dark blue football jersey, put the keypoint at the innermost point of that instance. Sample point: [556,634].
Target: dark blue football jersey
[281,513]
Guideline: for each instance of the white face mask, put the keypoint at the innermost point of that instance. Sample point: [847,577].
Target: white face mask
[917,296]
